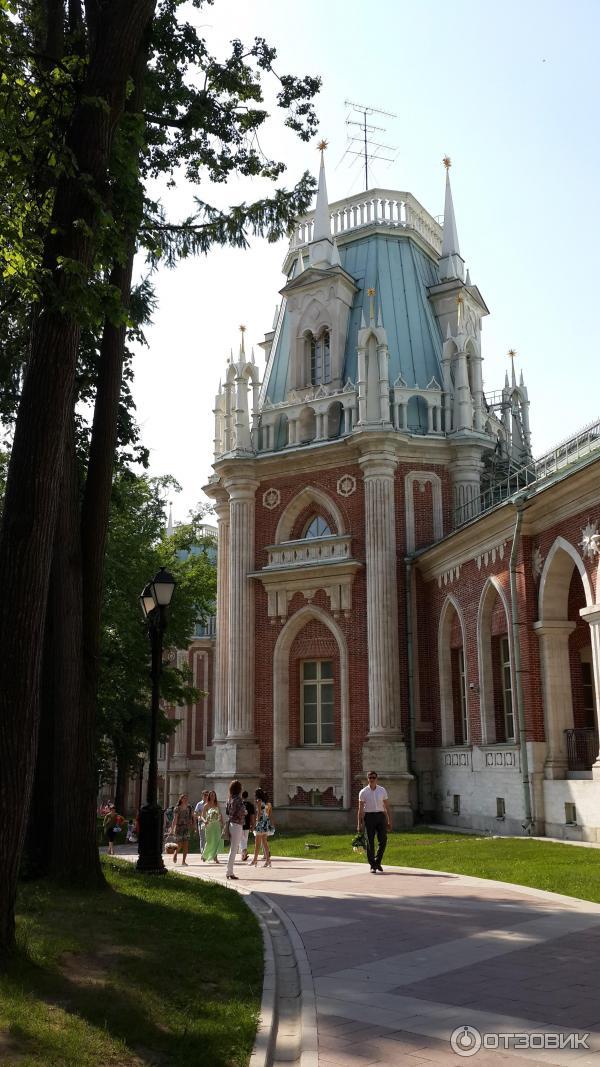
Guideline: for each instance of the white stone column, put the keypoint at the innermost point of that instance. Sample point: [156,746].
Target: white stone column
[556,685]
[382,594]
[591,615]
[240,651]
[222,624]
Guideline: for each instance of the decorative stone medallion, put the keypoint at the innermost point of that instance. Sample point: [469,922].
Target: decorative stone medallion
[346,485]
[271,498]
[590,540]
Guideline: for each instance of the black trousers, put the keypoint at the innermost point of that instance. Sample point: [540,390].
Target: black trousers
[375,823]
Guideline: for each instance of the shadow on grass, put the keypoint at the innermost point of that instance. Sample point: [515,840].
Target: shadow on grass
[170,968]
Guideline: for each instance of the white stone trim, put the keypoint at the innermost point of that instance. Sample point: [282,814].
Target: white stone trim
[445,668]
[484,654]
[554,587]
[271,498]
[422,477]
[281,725]
[310,494]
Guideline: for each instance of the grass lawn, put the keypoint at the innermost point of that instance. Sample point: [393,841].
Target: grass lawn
[153,971]
[543,865]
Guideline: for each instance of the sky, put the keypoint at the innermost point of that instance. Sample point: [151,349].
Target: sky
[511,93]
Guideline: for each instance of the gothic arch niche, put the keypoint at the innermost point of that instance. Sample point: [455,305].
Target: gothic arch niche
[240,379]
[565,593]
[281,694]
[281,432]
[496,682]
[310,496]
[417,414]
[418,478]
[452,675]
[334,419]
[307,426]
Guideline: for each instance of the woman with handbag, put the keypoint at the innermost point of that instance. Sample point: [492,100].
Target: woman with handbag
[263,829]
[181,827]
[236,813]
[213,822]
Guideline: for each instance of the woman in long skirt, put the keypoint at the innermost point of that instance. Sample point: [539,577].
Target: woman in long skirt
[213,824]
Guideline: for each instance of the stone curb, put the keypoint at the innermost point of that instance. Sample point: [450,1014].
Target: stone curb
[309,1054]
[264,1043]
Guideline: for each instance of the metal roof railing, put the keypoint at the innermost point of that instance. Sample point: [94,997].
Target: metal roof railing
[569,451]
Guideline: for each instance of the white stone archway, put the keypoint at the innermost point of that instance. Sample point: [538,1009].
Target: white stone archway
[553,629]
[309,495]
[281,681]
[445,667]
[491,589]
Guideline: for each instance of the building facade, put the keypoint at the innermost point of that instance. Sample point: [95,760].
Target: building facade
[400,585]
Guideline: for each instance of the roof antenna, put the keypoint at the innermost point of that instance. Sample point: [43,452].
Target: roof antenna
[368,147]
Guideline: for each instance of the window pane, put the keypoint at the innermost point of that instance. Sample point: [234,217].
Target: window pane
[310,733]
[327,694]
[318,527]
[326,669]
[310,694]
[309,669]
[327,733]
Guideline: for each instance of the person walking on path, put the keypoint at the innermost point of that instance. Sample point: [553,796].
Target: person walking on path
[236,813]
[181,827]
[111,825]
[249,822]
[374,810]
[213,822]
[263,829]
[200,825]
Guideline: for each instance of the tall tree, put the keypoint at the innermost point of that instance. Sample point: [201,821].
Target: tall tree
[203,115]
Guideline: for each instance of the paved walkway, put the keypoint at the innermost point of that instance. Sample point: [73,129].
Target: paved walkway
[399,961]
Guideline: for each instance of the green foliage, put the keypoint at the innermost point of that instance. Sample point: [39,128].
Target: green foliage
[137,548]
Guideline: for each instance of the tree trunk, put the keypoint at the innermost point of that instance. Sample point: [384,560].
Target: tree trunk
[29,515]
[121,785]
[74,853]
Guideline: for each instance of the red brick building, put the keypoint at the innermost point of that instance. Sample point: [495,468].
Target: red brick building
[400,585]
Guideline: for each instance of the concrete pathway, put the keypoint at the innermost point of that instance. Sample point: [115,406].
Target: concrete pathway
[387,967]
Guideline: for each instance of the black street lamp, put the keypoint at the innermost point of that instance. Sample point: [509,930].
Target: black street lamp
[154,600]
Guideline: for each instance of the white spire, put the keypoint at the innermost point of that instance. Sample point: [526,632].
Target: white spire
[335,259]
[170,527]
[450,239]
[451,263]
[322,226]
[468,278]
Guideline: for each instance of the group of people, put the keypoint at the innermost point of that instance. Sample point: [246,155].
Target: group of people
[242,817]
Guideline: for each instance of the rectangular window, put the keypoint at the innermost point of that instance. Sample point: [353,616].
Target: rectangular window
[570,815]
[316,684]
[456,804]
[509,721]
[500,808]
[162,750]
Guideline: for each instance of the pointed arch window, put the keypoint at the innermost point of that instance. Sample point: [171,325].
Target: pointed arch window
[318,527]
[320,359]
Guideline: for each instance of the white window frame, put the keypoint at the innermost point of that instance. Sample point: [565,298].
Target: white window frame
[508,704]
[319,682]
[462,678]
[328,532]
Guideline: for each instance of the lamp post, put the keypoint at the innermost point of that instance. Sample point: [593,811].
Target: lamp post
[154,601]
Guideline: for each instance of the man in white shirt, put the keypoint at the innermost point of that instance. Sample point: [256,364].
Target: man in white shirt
[374,810]
[198,813]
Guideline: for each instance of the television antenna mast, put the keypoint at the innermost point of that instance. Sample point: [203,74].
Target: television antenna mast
[369,148]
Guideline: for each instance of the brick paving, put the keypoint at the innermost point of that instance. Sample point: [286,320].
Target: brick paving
[401,960]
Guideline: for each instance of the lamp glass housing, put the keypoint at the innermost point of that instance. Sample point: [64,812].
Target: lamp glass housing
[163,586]
[147,602]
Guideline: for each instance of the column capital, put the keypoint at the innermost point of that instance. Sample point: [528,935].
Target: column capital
[591,615]
[554,628]
[378,463]
[241,487]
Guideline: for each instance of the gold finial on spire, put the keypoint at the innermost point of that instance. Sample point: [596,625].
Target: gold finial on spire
[371,295]
[322,145]
[511,354]
[447,162]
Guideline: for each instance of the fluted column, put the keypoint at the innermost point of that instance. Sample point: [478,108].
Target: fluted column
[222,624]
[382,595]
[240,652]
